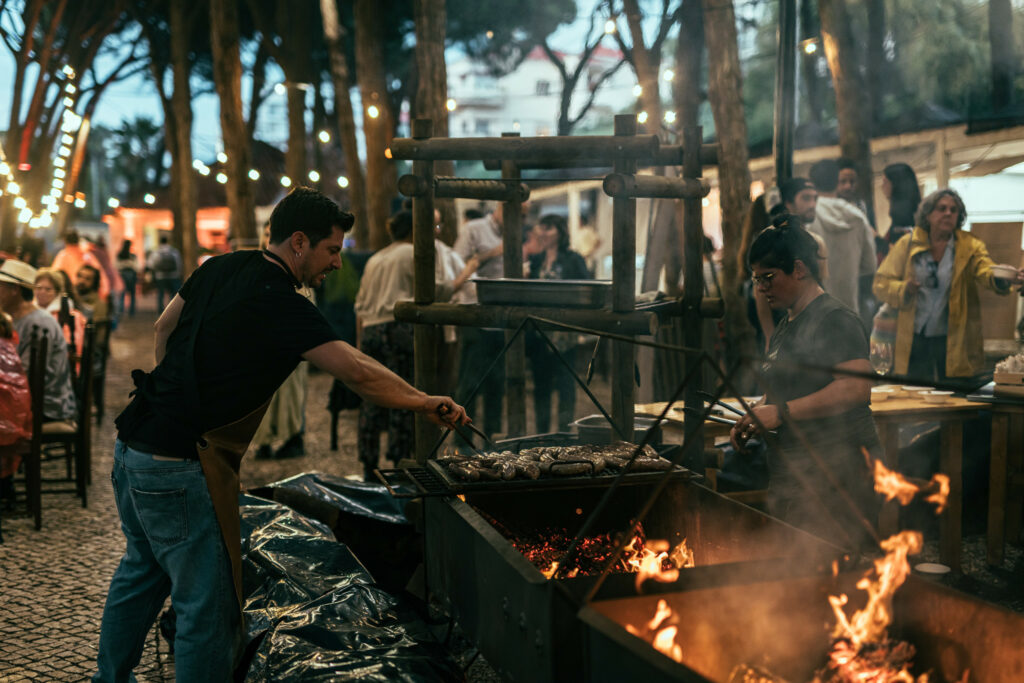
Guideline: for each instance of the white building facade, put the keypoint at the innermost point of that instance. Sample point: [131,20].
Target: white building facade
[526,101]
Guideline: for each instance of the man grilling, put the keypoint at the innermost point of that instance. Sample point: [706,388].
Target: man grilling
[226,341]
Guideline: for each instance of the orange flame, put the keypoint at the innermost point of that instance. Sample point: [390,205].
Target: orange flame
[869,625]
[649,560]
[892,484]
[664,631]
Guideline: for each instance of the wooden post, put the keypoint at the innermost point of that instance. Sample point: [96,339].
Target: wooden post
[624,288]
[425,336]
[693,289]
[785,91]
[512,259]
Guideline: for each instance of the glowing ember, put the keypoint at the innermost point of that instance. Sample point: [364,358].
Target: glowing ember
[649,559]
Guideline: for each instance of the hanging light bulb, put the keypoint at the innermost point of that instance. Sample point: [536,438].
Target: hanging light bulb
[324,136]
[149,198]
[642,117]
[254,174]
[372,111]
[286,181]
[342,181]
[222,157]
[314,176]
[222,178]
[113,202]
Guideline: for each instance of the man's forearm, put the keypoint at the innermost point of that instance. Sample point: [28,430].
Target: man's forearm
[364,375]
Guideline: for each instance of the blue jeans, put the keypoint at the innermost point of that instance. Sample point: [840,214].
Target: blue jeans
[174,547]
[168,287]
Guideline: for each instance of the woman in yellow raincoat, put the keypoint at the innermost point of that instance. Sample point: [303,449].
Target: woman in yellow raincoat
[932,276]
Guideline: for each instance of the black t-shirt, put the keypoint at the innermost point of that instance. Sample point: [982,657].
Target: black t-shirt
[826,333]
[254,330]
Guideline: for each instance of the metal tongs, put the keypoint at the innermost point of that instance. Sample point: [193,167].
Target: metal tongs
[442,410]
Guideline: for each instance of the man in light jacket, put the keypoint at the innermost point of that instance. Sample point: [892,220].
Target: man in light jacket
[847,235]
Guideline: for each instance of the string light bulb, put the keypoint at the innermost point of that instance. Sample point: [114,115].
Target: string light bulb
[324,136]
[314,176]
[342,181]
[372,111]
[286,181]
[149,198]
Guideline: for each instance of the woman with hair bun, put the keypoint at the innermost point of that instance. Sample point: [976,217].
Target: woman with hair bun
[822,409]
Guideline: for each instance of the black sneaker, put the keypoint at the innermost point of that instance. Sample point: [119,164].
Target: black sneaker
[292,448]
[264,452]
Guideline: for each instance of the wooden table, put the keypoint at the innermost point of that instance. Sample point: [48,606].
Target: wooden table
[950,415]
[888,416]
[1006,471]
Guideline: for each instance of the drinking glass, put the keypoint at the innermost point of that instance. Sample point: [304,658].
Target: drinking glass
[881,357]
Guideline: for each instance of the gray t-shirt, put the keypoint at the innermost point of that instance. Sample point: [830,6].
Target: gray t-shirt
[58,395]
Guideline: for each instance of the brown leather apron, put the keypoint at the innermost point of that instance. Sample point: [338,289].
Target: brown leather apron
[220,459]
[221,449]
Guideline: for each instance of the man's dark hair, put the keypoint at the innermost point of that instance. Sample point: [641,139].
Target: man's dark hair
[71,237]
[164,239]
[846,164]
[780,246]
[791,187]
[27,293]
[400,225]
[825,175]
[95,276]
[310,212]
[472,214]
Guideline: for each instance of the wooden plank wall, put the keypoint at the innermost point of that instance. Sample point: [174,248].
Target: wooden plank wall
[999,313]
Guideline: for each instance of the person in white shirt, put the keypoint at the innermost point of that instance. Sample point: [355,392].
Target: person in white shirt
[388,279]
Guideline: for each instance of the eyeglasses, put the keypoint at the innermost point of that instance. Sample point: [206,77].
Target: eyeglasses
[762,280]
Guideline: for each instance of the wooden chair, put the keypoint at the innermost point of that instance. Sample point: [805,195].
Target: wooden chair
[74,438]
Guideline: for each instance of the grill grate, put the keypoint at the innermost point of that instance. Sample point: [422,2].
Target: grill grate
[413,482]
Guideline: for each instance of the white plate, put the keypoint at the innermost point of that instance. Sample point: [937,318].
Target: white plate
[936,396]
[931,568]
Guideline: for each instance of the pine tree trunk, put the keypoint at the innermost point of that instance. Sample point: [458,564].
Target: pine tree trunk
[335,37]
[1001,49]
[646,66]
[725,91]
[854,124]
[432,94]
[379,130]
[181,144]
[227,76]
[293,22]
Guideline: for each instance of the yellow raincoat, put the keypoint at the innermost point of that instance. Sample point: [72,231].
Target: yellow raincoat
[965,352]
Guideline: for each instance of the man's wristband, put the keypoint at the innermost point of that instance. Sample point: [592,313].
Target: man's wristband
[784,412]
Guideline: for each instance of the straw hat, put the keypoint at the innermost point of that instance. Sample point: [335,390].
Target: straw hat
[18,273]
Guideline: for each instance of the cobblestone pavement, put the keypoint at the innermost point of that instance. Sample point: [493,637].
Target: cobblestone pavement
[54,581]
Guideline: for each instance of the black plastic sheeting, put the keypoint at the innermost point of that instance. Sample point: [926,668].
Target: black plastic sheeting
[363,516]
[313,612]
